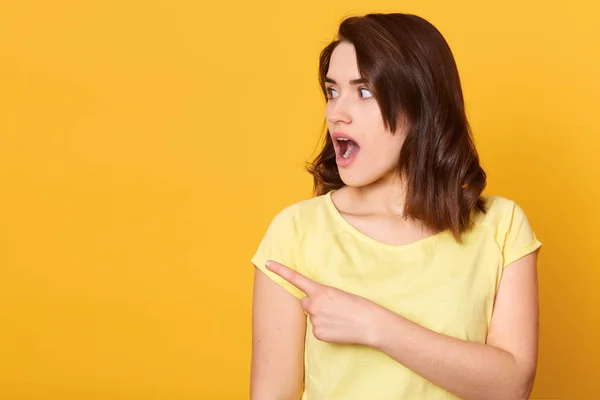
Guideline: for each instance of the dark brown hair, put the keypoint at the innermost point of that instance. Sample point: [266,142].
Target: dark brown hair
[413,76]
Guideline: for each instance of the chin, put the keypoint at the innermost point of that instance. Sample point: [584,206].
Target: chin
[357,180]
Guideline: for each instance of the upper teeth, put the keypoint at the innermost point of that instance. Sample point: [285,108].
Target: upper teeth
[342,138]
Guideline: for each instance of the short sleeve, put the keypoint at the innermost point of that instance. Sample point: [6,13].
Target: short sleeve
[279,244]
[520,239]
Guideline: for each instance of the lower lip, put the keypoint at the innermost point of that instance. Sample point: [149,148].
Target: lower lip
[344,162]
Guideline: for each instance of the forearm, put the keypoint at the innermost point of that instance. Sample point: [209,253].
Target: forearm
[467,369]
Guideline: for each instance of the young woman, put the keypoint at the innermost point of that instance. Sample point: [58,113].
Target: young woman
[398,279]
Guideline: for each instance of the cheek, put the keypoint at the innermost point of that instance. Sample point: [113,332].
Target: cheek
[383,143]
[397,141]
[389,147]
[383,151]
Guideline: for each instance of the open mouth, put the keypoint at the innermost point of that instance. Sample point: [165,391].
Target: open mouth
[347,147]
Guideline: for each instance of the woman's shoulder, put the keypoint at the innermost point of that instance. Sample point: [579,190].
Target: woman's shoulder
[497,204]
[500,211]
[303,211]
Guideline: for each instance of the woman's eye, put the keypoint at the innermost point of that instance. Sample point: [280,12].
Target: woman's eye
[365,92]
[332,93]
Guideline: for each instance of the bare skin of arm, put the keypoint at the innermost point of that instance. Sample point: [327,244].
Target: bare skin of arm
[278,332]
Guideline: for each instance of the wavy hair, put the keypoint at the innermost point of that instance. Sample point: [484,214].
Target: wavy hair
[414,78]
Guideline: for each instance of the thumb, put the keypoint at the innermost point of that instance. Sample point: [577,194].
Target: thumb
[306,303]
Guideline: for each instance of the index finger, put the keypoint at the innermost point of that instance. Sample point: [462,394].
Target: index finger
[307,285]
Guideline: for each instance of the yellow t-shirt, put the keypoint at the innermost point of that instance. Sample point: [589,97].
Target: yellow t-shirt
[435,282]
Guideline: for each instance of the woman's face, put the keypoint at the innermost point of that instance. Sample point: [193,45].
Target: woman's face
[366,152]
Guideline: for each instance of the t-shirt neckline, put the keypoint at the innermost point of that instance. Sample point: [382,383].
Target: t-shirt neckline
[348,227]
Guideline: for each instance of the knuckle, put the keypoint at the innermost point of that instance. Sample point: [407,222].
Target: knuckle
[315,306]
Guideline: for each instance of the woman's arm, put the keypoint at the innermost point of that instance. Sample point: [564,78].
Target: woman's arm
[504,368]
[278,332]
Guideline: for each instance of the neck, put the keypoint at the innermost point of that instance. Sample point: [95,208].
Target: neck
[385,196]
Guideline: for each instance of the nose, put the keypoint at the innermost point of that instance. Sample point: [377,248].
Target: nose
[338,111]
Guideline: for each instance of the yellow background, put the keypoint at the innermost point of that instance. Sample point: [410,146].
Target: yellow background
[145,146]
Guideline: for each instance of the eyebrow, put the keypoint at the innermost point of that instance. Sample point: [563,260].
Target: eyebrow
[352,82]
